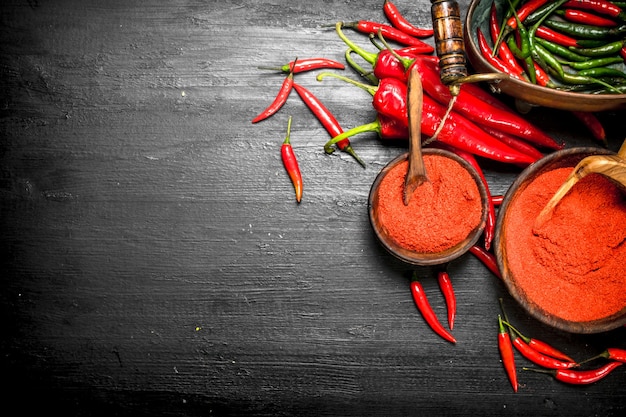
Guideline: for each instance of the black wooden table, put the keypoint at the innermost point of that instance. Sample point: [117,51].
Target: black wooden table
[155,261]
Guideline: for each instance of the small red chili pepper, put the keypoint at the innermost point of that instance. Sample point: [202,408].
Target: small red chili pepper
[400,22]
[388,32]
[614,354]
[445,283]
[487,258]
[622,53]
[496,62]
[594,125]
[539,358]
[307,64]
[504,52]
[578,377]
[279,100]
[497,199]
[548,34]
[326,118]
[427,312]
[386,127]
[506,353]
[599,6]
[541,76]
[581,16]
[291,163]
[514,142]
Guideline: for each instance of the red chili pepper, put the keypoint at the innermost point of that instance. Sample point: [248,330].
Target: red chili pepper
[326,118]
[539,358]
[400,22]
[496,62]
[577,377]
[503,52]
[307,64]
[481,112]
[497,199]
[506,353]
[522,13]
[615,354]
[487,258]
[386,127]
[548,34]
[581,16]
[541,76]
[445,283]
[427,312]
[291,163]
[599,6]
[514,142]
[279,100]
[594,125]
[388,32]
[622,53]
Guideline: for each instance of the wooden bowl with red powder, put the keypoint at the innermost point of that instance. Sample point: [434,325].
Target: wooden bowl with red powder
[445,215]
[569,272]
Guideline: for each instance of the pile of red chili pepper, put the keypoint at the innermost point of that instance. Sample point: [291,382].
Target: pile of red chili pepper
[573,45]
[477,126]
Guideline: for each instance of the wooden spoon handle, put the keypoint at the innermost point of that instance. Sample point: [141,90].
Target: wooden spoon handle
[416,174]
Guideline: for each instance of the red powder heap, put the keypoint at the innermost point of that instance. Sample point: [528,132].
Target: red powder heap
[442,211]
[574,266]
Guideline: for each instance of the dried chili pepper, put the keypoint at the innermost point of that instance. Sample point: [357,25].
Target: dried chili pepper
[580,377]
[400,22]
[614,354]
[279,100]
[505,346]
[445,283]
[291,163]
[389,32]
[599,6]
[326,118]
[487,258]
[580,16]
[421,301]
[306,64]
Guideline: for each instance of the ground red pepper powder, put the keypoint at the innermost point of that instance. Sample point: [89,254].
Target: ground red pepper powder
[442,211]
[573,266]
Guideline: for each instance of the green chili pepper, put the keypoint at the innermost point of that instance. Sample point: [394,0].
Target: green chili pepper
[585,31]
[594,63]
[562,51]
[542,11]
[548,62]
[607,49]
[602,72]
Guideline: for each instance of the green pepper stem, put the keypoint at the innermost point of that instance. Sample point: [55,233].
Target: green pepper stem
[287,140]
[368,56]
[369,88]
[365,74]
[368,127]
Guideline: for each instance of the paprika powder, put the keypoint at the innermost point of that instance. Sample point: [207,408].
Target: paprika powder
[572,267]
[442,212]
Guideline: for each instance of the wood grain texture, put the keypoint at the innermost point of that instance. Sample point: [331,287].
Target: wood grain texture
[155,260]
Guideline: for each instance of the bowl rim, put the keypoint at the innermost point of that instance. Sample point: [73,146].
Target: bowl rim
[531,93]
[549,162]
[429,259]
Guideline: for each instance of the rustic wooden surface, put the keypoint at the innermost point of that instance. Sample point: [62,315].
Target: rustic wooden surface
[156,263]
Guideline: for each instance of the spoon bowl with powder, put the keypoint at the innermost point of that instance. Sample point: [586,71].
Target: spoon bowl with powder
[444,217]
[570,271]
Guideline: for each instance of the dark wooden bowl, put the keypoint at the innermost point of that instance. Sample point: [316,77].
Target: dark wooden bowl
[418,258]
[478,16]
[564,158]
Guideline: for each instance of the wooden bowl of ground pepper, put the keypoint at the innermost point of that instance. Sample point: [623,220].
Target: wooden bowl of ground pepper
[444,217]
[569,272]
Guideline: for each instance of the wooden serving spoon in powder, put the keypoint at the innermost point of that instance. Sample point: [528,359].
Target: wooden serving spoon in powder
[416,174]
[610,166]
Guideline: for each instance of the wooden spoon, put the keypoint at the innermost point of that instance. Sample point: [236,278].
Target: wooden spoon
[611,166]
[416,174]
